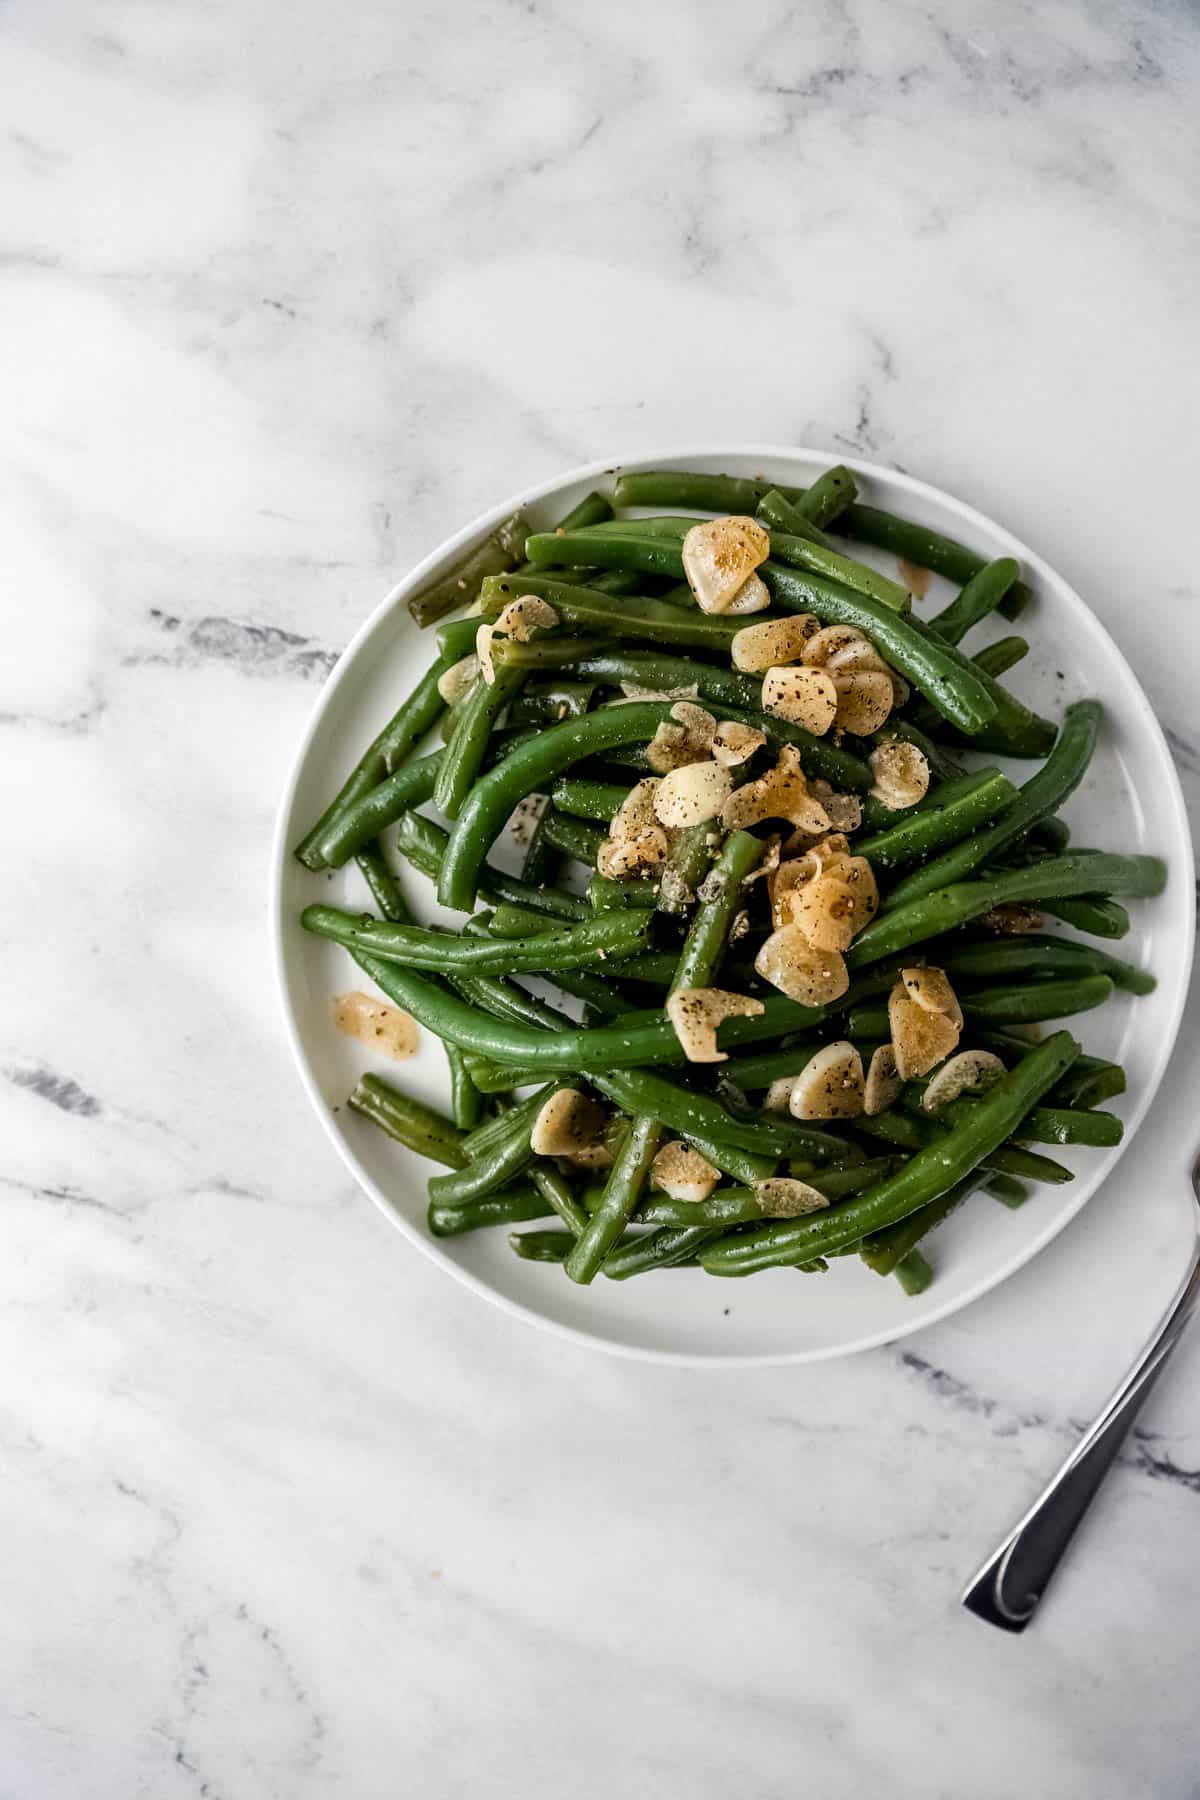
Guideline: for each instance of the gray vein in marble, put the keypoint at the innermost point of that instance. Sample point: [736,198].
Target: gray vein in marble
[59,1090]
[255,649]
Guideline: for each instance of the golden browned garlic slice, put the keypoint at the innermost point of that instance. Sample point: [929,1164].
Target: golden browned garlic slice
[779,1095]
[735,743]
[901,775]
[832,641]
[920,1039]
[969,1071]
[864,699]
[931,988]
[696,1013]
[453,682]
[782,793]
[883,1081]
[830,1085]
[782,1197]
[806,697]
[374,1023]
[757,648]
[525,615]
[692,795]
[483,652]
[809,976]
[845,810]
[719,557]
[823,911]
[684,738]
[635,838]
[682,1172]
[569,1122]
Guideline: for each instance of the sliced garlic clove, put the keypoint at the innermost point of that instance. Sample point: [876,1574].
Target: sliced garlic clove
[782,1197]
[685,738]
[931,989]
[782,793]
[692,795]
[636,812]
[806,697]
[901,774]
[751,597]
[779,1095]
[525,615]
[809,976]
[830,641]
[483,653]
[830,1085]
[884,1085]
[568,1123]
[719,557]
[696,1014]
[823,910]
[735,743]
[849,658]
[864,700]
[682,1172]
[624,856]
[768,646]
[454,681]
[969,1072]
[845,810]
[920,1039]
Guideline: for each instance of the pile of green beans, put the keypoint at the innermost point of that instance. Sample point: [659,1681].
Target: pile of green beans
[544,740]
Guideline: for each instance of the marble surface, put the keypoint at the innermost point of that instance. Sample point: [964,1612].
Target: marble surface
[286,292]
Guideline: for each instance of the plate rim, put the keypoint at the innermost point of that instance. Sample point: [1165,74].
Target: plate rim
[671,456]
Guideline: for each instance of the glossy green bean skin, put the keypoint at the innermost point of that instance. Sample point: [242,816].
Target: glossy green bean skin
[1050,1124]
[573,837]
[637,616]
[926,831]
[948,907]
[495,1163]
[1029,1004]
[688,864]
[385,890]
[931,1172]
[622,1191]
[541,1246]
[1099,916]
[499,550]
[742,1166]
[913,1273]
[653,669]
[908,1133]
[596,800]
[511,1207]
[425,844]
[878,818]
[1042,794]
[417,1126]
[475,718]
[581,946]
[548,701]
[532,768]
[466,1101]
[792,546]
[688,1112]
[663,1249]
[361,820]
[1030,954]
[885,1250]
[980,596]
[738,1205]
[605,893]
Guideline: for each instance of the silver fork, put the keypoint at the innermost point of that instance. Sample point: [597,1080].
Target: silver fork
[1010,1584]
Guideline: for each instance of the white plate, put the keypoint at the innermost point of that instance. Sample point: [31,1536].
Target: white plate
[1129,801]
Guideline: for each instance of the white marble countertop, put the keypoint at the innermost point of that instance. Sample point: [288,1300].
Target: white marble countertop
[287,292]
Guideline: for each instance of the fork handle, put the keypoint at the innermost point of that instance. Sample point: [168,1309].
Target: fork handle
[1011,1582]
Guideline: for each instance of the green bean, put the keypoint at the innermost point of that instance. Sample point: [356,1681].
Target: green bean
[941,763]
[776,1064]
[877,818]
[475,718]
[551,700]
[361,820]
[688,1112]
[541,863]
[741,1165]
[541,1246]
[380,878]
[622,1191]
[597,800]
[505,1121]
[495,1165]
[1041,795]
[656,621]
[908,1133]
[603,999]
[1058,877]
[1034,955]
[499,550]
[1015,730]
[504,999]
[593,509]
[929,1174]
[1099,916]
[650,669]
[924,832]
[913,1272]
[425,844]
[663,1249]
[466,1101]
[793,546]
[884,1251]
[1007,1191]
[980,596]
[992,659]
[605,893]
[416,1126]
[1050,1124]
[1022,1005]
[555,1190]
[416,715]
[818,758]
[1049,834]
[740,1206]
[613,934]
[573,837]
[688,864]
[730,494]
[829,496]
[1086,1074]
[515,1204]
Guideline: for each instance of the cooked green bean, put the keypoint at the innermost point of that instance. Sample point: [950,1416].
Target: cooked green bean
[1034,955]
[361,820]
[606,893]
[793,546]
[739,1205]
[612,934]
[688,864]
[573,837]
[380,878]
[545,702]
[1042,794]
[1099,916]
[492,1167]
[499,550]
[425,845]
[664,1249]
[932,1172]
[410,1122]
[980,596]
[689,1112]
[511,1207]
[475,717]
[466,1101]
[926,831]
[885,1251]
[597,800]
[541,1246]
[653,621]
[1028,1004]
